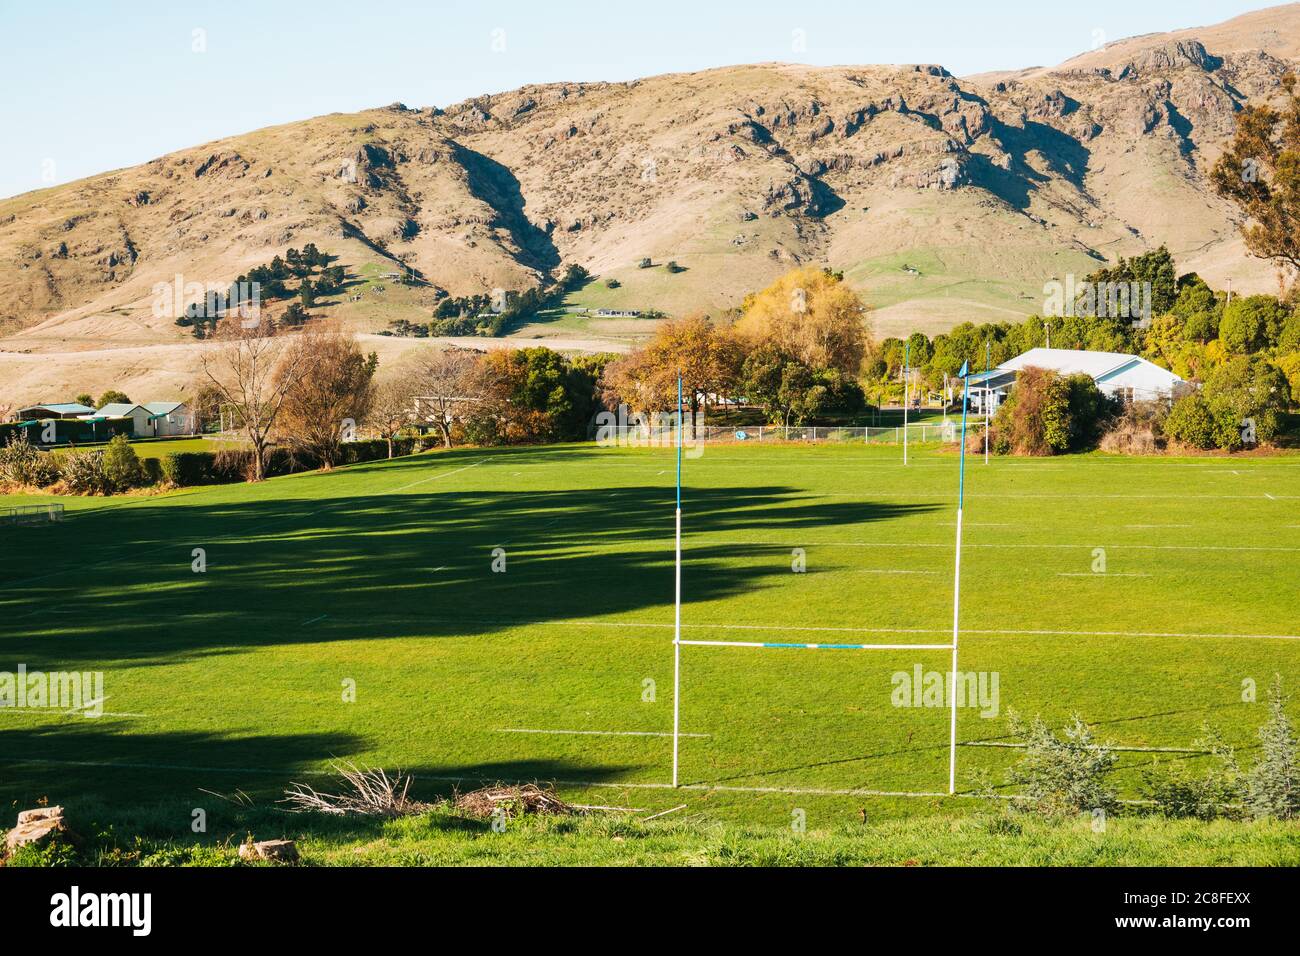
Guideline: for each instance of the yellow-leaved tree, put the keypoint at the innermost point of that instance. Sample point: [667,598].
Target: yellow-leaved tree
[811,315]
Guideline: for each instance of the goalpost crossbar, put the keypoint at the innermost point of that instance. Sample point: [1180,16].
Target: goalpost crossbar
[822,647]
[678,643]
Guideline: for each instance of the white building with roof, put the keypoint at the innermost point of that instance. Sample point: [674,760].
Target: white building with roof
[1126,377]
[150,420]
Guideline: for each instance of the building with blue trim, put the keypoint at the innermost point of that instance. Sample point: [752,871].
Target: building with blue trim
[1126,377]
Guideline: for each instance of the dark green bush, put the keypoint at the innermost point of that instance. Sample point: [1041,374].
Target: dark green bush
[186,468]
[151,469]
[122,468]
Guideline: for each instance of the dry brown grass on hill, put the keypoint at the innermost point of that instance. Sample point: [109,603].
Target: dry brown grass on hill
[989,186]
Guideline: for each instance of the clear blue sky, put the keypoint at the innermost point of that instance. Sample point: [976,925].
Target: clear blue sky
[92,85]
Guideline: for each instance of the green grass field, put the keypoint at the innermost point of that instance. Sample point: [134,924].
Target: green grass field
[561,668]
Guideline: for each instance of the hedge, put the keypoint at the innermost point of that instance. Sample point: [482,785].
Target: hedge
[202,467]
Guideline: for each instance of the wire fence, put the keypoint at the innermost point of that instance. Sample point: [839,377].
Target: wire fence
[920,433]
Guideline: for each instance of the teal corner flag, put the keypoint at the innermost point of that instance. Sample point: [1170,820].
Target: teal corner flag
[965,370]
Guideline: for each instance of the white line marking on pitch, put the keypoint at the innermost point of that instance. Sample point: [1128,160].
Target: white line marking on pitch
[593,733]
[985,632]
[884,571]
[948,546]
[314,620]
[444,474]
[1102,574]
[664,813]
[807,791]
[1136,750]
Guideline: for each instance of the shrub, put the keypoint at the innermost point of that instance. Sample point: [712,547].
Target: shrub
[1273,786]
[1191,422]
[121,465]
[674,268]
[23,464]
[1034,420]
[186,468]
[1062,776]
[1178,793]
[151,469]
[1137,430]
[83,473]
[612,283]
[1246,388]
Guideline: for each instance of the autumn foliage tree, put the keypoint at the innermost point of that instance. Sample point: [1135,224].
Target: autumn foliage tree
[706,357]
[810,315]
[330,393]
[1260,172]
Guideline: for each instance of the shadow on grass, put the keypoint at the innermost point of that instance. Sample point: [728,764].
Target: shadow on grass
[408,558]
[90,761]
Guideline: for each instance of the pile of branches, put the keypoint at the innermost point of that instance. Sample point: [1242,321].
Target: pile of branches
[367,793]
[512,800]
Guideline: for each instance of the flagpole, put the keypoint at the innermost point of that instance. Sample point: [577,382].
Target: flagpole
[677,599]
[907,361]
[956,585]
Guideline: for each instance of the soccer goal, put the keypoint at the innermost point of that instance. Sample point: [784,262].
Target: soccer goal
[951,646]
[33,514]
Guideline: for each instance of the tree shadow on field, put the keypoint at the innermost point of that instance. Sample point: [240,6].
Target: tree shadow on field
[79,761]
[283,571]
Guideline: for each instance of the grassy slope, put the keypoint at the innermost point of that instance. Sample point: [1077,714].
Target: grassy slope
[381,574]
[442,838]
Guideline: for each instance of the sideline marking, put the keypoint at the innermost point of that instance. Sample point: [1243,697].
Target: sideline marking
[593,733]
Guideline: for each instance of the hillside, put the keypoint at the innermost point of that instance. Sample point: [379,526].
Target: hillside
[943,198]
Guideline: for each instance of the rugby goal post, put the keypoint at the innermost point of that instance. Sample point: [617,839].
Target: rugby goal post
[952,646]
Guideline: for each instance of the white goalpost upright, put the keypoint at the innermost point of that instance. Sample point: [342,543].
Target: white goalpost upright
[956,583]
[678,643]
[907,373]
[677,598]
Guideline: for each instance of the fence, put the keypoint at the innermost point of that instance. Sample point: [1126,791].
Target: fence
[32,514]
[920,433]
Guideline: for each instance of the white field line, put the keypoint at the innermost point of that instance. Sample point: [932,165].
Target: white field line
[592,733]
[1117,748]
[447,778]
[985,632]
[814,647]
[898,545]
[664,813]
[56,712]
[920,497]
[796,461]
[887,571]
[1102,574]
[704,787]
[443,474]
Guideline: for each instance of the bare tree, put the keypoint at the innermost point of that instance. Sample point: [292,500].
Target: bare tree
[330,393]
[446,382]
[393,408]
[253,369]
